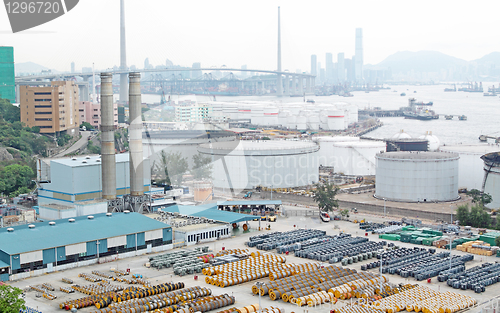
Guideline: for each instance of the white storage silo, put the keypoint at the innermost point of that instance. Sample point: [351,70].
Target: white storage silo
[313,121]
[470,164]
[492,175]
[326,156]
[271,115]
[276,163]
[244,112]
[356,158]
[417,176]
[335,119]
[433,141]
[283,117]
[291,121]
[301,122]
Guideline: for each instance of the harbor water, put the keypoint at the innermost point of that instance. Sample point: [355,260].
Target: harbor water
[483,113]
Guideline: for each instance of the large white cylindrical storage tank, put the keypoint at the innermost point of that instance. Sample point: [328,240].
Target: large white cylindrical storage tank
[280,164]
[492,174]
[313,121]
[294,109]
[356,158]
[335,119]
[301,122]
[291,122]
[271,116]
[245,112]
[326,154]
[417,176]
[283,117]
[470,164]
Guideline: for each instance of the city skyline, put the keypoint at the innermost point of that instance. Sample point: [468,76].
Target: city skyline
[233,39]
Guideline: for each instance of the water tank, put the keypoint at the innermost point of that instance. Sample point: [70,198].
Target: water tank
[202,191]
[356,158]
[433,142]
[283,117]
[417,176]
[492,178]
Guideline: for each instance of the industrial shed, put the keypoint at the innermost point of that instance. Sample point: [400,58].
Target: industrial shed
[65,243]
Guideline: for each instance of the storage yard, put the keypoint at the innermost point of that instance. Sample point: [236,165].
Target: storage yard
[296,273]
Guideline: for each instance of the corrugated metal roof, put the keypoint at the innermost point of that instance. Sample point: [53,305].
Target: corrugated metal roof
[44,236]
[256,202]
[210,213]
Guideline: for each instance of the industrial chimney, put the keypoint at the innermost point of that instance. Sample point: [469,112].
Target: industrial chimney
[135,134]
[108,161]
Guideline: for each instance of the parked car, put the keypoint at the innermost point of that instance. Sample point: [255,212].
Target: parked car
[324,216]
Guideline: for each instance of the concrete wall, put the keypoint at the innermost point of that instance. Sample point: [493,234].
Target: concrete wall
[362,207]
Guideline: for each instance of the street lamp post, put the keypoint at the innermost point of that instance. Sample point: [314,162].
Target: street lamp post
[260,285]
[384,208]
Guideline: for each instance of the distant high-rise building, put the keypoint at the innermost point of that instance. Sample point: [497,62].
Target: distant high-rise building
[340,67]
[322,75]
[7,76]
[358,65]
[196,74]
[349,66]
[329,66]
[314,65]
[169,63]
[132,67]
[72,67]
[146,63]
[244,74]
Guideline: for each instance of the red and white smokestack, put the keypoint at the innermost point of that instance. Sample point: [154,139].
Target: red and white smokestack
[135,136]
[108,162]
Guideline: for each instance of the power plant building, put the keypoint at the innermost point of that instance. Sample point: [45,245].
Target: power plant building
[44,247]
[54,109]
[70,185]
[268,163]
[417,176]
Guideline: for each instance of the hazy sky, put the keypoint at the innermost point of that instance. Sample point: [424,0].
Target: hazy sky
[238,32]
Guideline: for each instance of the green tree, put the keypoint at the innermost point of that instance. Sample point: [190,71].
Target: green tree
[497,241]
[324,195]
[14,177]
[202,167]
[87,125]
[497,225]
[479,197]
[344,213]
[475,217]
[173,166]
[463,215]
[9,112]
[10,299]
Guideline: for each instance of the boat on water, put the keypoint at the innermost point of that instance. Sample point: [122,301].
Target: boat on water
[423,116]
[347,94]
[448,117]
[462,117]
[451,89]
[490,94]
[413,101]
[403,94]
